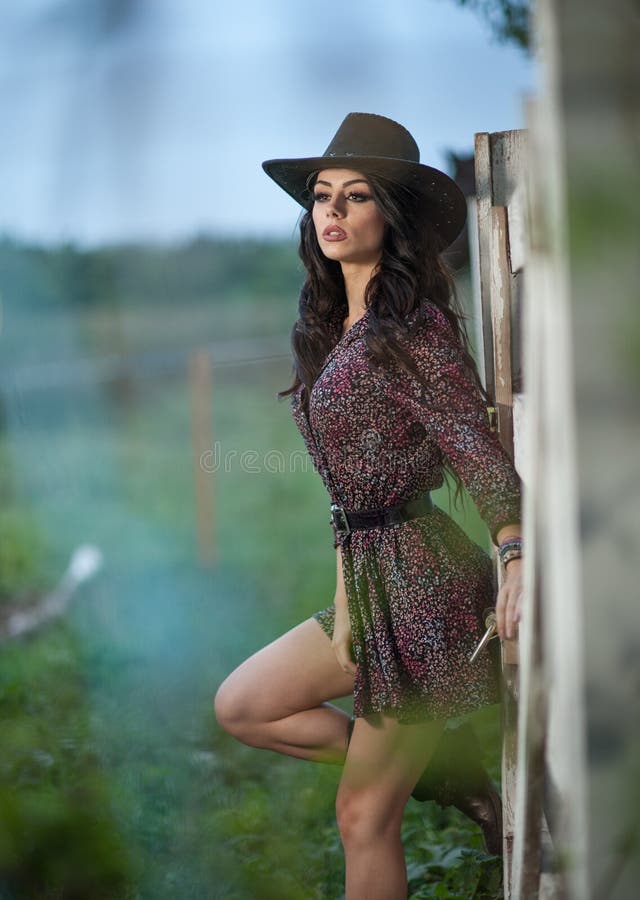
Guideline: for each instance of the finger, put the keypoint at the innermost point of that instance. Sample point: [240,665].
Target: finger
[344,661]
[350,665]
[519,601]
[506,622]
[512,609]
[500,612]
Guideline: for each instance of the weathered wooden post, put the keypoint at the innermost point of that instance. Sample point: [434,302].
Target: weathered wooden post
[576,682]
[499,160]
[587,121]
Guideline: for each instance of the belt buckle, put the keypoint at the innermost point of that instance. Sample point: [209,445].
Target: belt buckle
[339,520]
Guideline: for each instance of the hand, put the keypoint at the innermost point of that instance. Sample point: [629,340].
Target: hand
[509,600]
[341,641]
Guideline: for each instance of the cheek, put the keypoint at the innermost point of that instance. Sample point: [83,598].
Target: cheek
[375,227]
[318,216]
[315,217]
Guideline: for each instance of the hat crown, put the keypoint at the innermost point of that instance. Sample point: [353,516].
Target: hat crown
[369,143]
[366,134]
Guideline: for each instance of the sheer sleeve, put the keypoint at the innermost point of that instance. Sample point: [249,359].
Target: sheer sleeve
[454,414]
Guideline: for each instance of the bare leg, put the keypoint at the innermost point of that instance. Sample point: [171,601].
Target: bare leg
[277,698]
[383,764]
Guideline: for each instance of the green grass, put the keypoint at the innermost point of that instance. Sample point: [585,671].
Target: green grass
[58,834]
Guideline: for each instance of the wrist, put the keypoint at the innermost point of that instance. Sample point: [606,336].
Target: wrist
[510,550]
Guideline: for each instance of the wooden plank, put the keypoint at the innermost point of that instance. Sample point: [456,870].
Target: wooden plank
[524,711]
[519,416]
[484,201]
[500,312]
[495,294]
[508,165]
[553,448]
[532,709]
[516,216]
[476,294]
[507,157]
[500,300]
[509,773]
[531,729]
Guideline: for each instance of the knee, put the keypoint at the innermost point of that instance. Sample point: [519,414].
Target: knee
[232,710]
[362,818]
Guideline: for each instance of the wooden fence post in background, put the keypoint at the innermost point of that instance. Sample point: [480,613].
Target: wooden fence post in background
[200,386]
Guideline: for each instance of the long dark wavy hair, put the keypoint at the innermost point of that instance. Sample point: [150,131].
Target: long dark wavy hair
[411,272]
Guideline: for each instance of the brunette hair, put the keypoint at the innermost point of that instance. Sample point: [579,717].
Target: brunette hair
[410,273]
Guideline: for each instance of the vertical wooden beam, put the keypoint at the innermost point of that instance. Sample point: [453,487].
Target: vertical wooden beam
[484,201]
[499,300]
[531,739]
[551,523]
[509,773]
[497,161]
[500,309]
[476,295]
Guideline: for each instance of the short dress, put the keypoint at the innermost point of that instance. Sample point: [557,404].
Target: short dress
[416,590]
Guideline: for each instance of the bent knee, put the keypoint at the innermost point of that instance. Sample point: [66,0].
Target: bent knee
[235,712]
[362,816]
[229,706]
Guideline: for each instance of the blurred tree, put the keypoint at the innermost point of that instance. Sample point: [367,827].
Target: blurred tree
[508,19]
[107,277]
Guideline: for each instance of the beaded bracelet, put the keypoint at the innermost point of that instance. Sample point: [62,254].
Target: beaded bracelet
[510,548]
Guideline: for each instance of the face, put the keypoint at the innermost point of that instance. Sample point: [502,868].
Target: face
[349,225]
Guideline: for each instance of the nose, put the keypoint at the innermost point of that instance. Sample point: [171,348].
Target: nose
[333,208]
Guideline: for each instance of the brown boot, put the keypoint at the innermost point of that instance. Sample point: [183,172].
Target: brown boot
[456,777]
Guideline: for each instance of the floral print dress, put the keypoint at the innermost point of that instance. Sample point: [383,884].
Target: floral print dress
[415,590]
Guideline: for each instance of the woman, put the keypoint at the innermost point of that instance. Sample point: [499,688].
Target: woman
[385,394]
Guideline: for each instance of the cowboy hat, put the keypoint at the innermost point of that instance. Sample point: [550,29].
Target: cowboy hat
[375,144]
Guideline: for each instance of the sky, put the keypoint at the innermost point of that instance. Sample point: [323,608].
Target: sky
[149,119]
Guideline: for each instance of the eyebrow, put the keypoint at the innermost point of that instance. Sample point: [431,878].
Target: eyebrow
[346,183]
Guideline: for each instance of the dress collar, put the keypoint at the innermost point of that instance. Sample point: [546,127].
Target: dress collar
[346,338]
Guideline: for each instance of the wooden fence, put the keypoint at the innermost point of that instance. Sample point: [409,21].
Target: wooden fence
[521,294]
[557,252]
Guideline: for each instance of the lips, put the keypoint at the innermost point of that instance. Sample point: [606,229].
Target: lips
[334,233]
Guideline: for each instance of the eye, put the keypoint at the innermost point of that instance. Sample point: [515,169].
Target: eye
[355,196]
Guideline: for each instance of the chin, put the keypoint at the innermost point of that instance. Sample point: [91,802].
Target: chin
[345,255]
[333,252]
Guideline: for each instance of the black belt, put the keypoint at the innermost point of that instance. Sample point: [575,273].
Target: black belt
[345,521]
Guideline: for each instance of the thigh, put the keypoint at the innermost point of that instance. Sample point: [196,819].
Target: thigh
[384,762]
[297,671]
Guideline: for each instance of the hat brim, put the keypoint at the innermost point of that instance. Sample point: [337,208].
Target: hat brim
[445,204]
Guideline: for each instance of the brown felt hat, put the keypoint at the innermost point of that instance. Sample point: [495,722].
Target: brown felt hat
[374,144]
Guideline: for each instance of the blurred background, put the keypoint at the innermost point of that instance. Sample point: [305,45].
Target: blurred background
[159,519]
